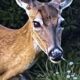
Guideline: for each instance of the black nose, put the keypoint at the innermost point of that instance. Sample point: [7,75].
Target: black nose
[55,54]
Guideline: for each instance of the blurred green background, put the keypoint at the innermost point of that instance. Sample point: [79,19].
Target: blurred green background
[12,16]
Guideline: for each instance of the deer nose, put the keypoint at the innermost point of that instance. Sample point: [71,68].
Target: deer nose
[55,55]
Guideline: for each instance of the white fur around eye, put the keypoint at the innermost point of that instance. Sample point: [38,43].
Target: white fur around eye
[37,29]
[39,20]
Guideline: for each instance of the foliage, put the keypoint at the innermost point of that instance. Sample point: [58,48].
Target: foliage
[61,71]
[11,15]
[71,37]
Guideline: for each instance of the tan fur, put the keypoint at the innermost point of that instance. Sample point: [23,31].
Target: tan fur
[16,50]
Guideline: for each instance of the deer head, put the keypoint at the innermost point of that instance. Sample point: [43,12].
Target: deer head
[45,17]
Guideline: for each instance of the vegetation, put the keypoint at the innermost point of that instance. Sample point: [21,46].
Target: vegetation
[14,17]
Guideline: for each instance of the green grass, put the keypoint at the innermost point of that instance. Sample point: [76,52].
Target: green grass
[46,70]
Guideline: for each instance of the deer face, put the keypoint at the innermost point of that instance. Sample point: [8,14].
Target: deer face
[46,18]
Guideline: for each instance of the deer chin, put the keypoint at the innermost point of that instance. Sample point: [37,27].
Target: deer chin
[56,62]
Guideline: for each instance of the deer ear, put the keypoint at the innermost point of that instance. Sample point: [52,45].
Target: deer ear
[22,4]
[65,4]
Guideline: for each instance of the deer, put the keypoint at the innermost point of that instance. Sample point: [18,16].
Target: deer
[42,32]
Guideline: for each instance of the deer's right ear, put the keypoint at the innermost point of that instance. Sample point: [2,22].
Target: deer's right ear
[22,4]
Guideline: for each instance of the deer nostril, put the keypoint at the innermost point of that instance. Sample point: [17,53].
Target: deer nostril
[55,54]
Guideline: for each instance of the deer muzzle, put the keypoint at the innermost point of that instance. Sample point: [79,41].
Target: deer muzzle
[55,55]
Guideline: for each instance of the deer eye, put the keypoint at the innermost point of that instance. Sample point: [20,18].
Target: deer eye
[36,24]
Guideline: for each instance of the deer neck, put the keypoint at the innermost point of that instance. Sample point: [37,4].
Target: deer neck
[27,32]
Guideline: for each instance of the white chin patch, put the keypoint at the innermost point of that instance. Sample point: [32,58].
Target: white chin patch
[56,62]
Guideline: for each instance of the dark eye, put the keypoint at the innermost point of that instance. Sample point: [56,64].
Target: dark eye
[36,24]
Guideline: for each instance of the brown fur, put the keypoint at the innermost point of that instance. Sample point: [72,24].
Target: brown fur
[16,51]
[16,46]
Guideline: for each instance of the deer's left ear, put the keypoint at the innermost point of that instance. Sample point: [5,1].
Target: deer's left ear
[26,5]
[22,4]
